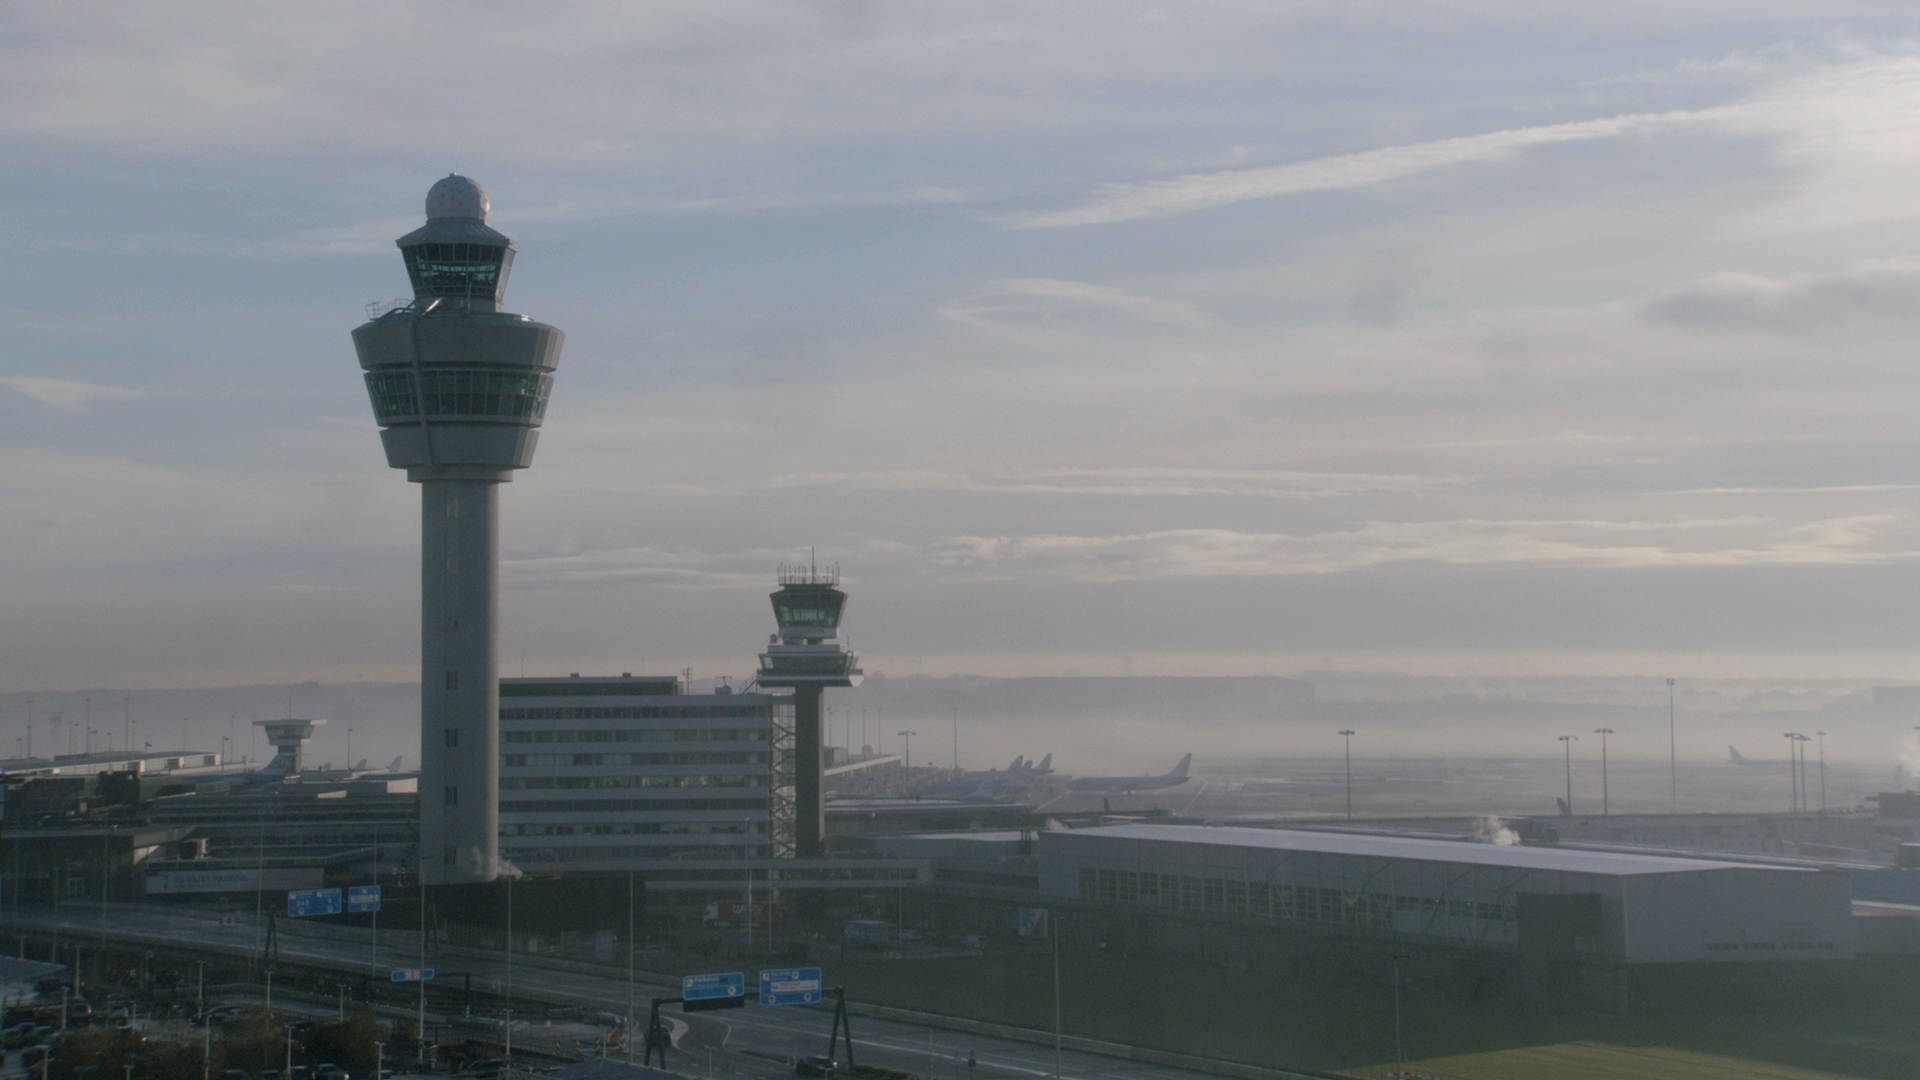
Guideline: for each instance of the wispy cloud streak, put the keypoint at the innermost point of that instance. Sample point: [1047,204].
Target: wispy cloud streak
[66,393]
[1193,553]
[1202,191]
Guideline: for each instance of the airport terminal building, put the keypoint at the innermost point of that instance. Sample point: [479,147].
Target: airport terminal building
[1609,907]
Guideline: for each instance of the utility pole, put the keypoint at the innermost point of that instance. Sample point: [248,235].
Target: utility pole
[630,962]
[1057,1056]
[1347,734]
[1606,807]
[906,741]
[1673,752]
[1399,1055]
[509,1032]
[420,1035]
[1568,741]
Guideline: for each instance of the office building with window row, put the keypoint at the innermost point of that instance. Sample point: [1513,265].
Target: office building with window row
[613,774]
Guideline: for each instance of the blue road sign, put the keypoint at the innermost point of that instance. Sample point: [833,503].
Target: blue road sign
[725,991]
[313,902]
[363,898]
[413,975]
[790,986]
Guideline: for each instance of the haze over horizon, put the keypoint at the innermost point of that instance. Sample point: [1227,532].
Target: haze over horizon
[1482,339]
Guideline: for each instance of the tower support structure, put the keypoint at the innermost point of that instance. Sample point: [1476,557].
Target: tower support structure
[805,657]
[459,389]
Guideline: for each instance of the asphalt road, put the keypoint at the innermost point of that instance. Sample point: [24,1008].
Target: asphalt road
[752,1043]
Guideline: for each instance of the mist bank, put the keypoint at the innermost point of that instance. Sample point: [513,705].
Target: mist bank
[1137,724]
[1093,724]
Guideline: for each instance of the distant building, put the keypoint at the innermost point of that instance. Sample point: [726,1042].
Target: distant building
[151,761]
[1905,698]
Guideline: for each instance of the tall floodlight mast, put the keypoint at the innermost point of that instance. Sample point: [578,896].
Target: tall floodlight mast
[805,657]
[459,388]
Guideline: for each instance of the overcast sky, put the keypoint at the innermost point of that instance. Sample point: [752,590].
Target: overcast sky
[1085,338]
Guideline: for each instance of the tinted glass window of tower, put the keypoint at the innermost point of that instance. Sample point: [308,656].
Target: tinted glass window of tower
[454,269]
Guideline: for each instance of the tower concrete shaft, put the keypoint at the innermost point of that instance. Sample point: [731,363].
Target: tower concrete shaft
[809,801]
[459,389]
[460,677]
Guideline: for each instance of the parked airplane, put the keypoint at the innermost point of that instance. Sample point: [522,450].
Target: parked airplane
[993,784]
[1124,784]
[1733,757]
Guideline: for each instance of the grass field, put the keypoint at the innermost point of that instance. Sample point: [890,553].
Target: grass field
[1346,1027]
[1595,1061]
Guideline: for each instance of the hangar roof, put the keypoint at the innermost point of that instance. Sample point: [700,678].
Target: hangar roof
[1521,857]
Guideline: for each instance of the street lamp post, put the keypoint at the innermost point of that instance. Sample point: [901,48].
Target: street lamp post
[1568,741]
[1800,767]
[906,741]
[1823,772]
[1673,754]
[1606,806]
[1793,773]
[1347,734]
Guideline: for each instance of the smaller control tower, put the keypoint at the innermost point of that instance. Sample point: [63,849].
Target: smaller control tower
[805,657]
[288,737]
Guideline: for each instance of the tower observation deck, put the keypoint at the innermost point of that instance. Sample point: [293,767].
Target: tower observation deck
[805,657]
[459,388]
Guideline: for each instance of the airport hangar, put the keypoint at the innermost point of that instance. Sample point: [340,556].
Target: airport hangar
[1551,923]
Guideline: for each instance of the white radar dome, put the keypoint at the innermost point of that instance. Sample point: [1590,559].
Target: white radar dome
[456,197]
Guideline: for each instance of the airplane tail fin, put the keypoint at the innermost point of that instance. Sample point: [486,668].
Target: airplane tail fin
[1046,764]
[362,767]
[394,765]
[1181,769]
[1564,811]
[1018,760]
[1734,756]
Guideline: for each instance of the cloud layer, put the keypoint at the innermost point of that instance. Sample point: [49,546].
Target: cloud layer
[1058,329]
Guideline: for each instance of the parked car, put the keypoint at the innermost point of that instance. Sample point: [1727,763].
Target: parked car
[815,1065]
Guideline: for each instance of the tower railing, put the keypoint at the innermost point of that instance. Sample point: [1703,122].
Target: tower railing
[809,575]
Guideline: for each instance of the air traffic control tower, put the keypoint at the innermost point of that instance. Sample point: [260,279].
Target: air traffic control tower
[805,657]
[459,388]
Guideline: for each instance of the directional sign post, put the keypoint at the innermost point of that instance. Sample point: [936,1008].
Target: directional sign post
[698,993]
[363,898]
[790,986]
[302,902]
[413,975]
